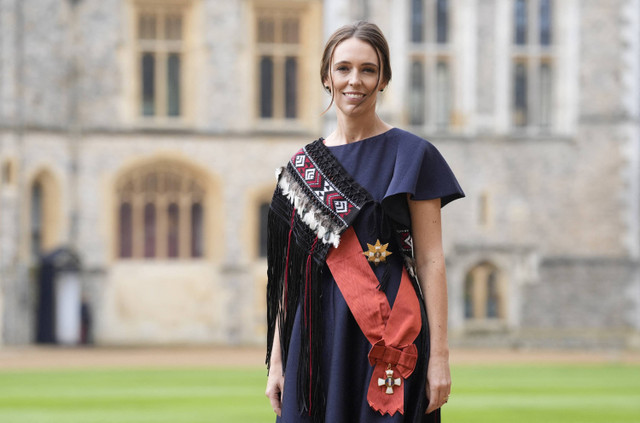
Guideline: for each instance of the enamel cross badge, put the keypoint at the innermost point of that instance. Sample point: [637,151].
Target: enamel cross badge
[377,253]
[389,381]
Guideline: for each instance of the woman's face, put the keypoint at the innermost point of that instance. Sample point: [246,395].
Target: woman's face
[354,75]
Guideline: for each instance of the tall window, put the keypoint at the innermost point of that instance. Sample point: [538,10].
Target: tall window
[532,63]
[430,90]
[279,49]
[160,213]
[161,57]
[484,295]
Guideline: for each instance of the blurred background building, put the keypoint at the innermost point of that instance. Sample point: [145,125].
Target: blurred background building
[140,137]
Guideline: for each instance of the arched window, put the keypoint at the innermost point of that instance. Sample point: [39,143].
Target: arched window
[160,212]
[484,293]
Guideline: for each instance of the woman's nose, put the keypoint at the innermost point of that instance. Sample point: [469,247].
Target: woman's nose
[354,78]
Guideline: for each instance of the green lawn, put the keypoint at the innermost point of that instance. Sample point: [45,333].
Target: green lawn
[509,393]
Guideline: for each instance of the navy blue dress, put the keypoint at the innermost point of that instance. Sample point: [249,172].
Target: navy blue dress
[388,166]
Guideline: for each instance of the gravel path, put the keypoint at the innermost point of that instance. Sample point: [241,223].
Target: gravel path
[34,357]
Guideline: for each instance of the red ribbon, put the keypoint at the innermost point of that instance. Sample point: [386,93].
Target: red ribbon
[391,332]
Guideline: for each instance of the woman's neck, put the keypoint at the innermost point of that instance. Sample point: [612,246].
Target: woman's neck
[353,129]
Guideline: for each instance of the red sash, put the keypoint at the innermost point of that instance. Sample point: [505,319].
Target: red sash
[391,332]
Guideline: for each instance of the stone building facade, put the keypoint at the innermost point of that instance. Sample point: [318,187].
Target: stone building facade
[143,135]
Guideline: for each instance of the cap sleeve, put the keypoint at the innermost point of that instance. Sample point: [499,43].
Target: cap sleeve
[422,172]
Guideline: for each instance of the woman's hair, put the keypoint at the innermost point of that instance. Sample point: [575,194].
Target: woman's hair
[368,32]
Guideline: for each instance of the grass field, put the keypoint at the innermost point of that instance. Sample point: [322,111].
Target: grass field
[488,393]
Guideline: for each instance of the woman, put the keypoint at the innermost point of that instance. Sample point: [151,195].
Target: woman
[354,225]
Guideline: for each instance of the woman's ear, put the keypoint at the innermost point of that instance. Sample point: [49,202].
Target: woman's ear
[327,85]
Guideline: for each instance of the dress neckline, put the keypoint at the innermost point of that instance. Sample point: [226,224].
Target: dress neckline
[359,141]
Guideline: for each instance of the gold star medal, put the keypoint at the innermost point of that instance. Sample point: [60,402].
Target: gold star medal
[377,253]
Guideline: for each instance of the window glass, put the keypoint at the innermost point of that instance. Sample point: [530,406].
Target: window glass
[520,22]
[126,231]
[266,87]
[545,95]
[492,296]
[173,215]
[443,89]
[148,84]
[442,21]
[173,27]
[291,84]
[417,21]
[36,218]
[545,22]
[197,230]
[520,95]
[468,297]
[173,85]
[149,230]
[417,94]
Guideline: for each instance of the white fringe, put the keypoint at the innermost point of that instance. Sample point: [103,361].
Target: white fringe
[323,228]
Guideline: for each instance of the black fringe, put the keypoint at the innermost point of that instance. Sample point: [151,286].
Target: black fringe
[303,263]
[277,240]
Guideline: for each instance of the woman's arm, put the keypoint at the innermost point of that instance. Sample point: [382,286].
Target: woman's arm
[430,266]
[275,381]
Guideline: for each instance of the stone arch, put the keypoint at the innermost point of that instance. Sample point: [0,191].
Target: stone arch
[165,207]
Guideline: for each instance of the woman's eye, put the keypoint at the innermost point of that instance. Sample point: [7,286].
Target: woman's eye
[369,70]
[341,68]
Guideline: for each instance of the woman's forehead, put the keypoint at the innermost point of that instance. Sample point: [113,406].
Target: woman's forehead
[354,50]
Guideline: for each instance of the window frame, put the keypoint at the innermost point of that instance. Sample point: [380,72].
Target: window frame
[163,50]
[427,47]
[539,113]
[279,52]
[309,99]
[147,188]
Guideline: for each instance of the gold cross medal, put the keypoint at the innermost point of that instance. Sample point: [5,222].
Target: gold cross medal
[389,381]
[377,253]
